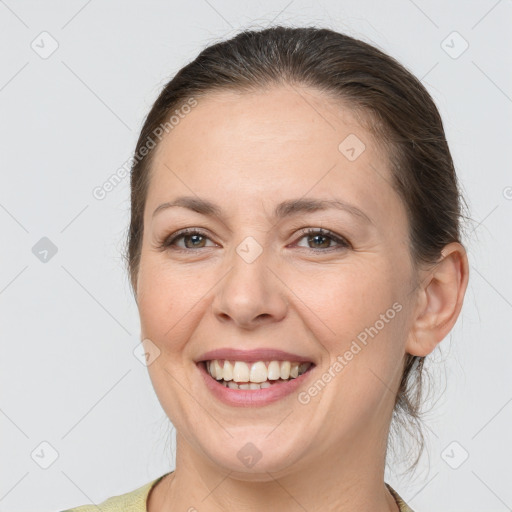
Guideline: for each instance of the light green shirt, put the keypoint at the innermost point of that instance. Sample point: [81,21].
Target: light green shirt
[136,501]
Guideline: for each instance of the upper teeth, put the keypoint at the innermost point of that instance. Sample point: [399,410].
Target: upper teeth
[259,371]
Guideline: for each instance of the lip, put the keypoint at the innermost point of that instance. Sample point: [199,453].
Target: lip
[253,397]
[251,356]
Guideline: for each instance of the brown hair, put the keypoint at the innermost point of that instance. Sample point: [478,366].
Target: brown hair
[403,117]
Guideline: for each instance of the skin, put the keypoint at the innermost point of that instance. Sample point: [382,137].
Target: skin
[247,153]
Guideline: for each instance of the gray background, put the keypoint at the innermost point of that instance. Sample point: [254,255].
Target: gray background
[69,326]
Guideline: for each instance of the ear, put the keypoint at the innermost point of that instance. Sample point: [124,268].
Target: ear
[439,300]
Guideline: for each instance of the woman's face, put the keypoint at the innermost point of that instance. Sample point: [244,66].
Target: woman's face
[251,280]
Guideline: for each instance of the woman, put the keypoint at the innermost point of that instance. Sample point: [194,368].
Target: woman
[294,251]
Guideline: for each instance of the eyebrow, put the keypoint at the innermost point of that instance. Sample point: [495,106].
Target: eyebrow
[285,209]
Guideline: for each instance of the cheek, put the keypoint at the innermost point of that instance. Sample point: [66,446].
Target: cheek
[155,302]
[350,299]
[364,311]
[172,300]
[161,301]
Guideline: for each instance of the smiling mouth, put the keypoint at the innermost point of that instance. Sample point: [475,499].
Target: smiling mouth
[255,375]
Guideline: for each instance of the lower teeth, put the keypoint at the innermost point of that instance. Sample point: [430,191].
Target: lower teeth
[251,385]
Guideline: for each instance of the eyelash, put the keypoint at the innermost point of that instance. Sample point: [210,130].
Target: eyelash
[167,243]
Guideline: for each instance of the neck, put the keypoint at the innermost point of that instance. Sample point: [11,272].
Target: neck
[348,479]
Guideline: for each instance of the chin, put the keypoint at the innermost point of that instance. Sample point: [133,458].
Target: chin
[255,461]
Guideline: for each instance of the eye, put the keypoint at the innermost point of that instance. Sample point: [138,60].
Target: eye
[193,239]
[196,239]
[323,238]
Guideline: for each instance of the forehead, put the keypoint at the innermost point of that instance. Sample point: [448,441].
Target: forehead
[279,143]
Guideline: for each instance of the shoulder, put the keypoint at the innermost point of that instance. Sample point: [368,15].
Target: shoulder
[133,501]
[399,501]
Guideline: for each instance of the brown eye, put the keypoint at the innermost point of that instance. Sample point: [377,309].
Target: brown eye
[319,239]
[193,239]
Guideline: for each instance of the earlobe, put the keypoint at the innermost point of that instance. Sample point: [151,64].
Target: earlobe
[439,300]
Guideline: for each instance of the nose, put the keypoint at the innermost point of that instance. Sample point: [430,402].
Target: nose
[250,294]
